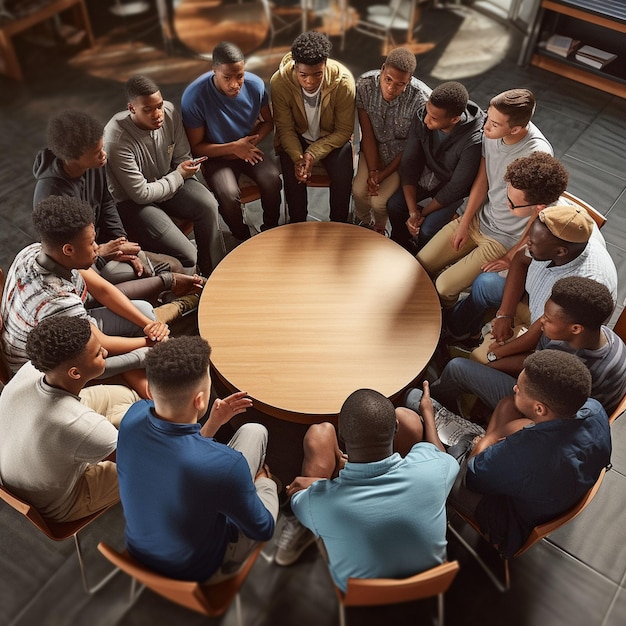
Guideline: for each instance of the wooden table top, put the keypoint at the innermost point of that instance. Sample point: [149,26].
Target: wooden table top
[302,315]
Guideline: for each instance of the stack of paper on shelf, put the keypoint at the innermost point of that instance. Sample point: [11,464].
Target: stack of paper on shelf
[594,57]
[561,45]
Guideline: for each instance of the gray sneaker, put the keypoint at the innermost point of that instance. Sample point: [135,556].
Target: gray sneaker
[451,428]
[293,541]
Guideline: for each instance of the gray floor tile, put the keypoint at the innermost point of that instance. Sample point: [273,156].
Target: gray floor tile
[618,438]
[596,537]
[562,131]
[574,100]
[617,613]
[594,185]
[617,222]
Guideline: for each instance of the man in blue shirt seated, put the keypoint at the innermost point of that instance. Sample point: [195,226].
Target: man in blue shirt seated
[544,448]
[226,113]
[194,508]
[379,513]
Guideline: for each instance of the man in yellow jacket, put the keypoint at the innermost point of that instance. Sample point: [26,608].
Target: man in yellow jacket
[314,103]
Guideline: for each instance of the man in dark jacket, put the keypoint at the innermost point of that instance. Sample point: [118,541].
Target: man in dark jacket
[440,162]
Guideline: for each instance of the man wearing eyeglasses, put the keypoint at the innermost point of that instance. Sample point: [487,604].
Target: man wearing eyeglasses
[488,234]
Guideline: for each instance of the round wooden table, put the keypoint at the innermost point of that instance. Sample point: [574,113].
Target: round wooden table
[302,315]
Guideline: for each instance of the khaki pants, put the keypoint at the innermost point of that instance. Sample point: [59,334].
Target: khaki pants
[112,401]
[521,324]
[96,489]
[366,206]
[464,264]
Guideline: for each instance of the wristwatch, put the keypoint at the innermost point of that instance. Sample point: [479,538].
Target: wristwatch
[491,357]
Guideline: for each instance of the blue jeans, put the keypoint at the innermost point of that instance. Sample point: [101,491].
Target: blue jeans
[399,214]
[466,317]
[465,376]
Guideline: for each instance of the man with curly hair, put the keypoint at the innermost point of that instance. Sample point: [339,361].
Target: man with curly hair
[386,102]
[532,183]
[489,233]
[314,99]
[151,178]
[573,321]
[55,277]
[194,508]
[73,165]
[543,449]
[439,164]
[57,450]
[226,114]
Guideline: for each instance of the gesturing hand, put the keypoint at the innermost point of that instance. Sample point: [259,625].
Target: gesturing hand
[223,410]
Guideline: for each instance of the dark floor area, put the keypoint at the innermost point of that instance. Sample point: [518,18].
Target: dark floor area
[576,578]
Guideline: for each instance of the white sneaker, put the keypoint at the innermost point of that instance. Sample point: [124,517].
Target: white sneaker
[451,427]
[293,541]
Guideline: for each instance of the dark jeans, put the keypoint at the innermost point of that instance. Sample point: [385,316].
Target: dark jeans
[340,169]
[155,231]
[399,214]
[222,177]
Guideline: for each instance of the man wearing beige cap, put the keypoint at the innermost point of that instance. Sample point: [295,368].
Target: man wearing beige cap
[560,244]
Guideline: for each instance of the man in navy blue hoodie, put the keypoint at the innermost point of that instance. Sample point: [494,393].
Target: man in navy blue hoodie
[439,163]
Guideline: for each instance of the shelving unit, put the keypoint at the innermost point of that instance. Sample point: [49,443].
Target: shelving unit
[598,23]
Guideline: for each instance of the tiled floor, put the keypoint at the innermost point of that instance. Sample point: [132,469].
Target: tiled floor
[577,578]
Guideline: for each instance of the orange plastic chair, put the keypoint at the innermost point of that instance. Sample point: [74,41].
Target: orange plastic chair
[383,591]
[211,600]
[538,533]
[59,531]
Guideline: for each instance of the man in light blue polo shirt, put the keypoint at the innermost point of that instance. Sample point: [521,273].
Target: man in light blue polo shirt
[226,114]
[380,512]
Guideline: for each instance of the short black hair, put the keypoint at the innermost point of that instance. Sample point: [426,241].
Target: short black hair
[139,86]
[178,365]
[452,97]
[367,418]
[58,219]
[559,380]
[517,104]
[402,59]
[583,300]
[311,48]
[56,340]
[226,52]
[72,133]
[542,177]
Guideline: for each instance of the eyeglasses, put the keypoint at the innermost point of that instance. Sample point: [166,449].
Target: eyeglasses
[518,206]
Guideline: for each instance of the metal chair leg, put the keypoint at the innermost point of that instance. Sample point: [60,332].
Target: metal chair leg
[83,574]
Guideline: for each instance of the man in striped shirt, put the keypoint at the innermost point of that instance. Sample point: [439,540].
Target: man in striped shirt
[572,322]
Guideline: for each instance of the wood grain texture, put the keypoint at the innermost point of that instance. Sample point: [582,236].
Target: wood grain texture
[303,315]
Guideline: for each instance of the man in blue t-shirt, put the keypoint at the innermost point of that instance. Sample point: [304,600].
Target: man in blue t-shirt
[544,448]
[226,114]
[380,511]
[194,508]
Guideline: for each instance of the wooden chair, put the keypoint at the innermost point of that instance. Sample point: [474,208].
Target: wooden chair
[382,591]
[59,531]
[597,217]
[211,600]
[620,330]
[538,533]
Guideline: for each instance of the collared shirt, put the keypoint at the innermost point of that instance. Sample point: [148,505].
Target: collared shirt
[593,262]
[36,288]
[391,121]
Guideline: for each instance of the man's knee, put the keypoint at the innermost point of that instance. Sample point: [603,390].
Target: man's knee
[319,437]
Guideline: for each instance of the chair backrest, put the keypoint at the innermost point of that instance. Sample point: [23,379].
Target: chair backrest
[620,326]
[380,591]
[543,530]
[211,600]
[619,409]
[597,217]
[58,531]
